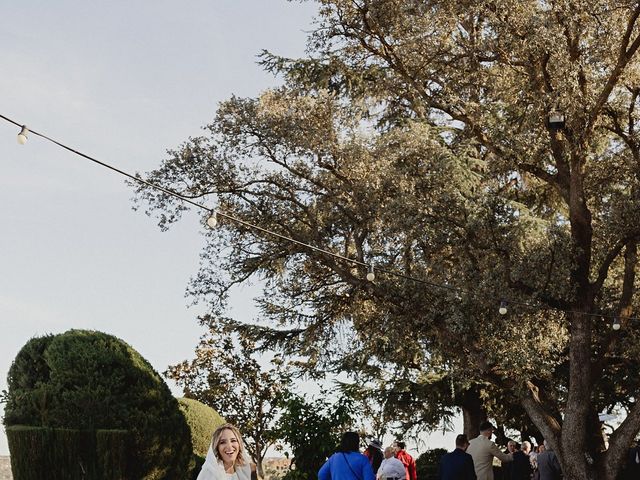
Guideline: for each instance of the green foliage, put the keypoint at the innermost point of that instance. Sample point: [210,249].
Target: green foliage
[415,136]
[202,421]
[227,376]
[67,454]
[312,429]
[90,380]
[57,454]
[197,463]
[427,464]
[113,454]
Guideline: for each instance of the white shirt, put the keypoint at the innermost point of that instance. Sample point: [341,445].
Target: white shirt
[391,468]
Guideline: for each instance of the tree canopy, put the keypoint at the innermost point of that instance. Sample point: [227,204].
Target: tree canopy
[470,151]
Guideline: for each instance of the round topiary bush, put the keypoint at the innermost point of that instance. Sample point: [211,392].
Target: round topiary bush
[427,463]
[90,380]
[202,420]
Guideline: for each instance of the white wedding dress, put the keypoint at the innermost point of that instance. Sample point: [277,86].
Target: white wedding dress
[213,470]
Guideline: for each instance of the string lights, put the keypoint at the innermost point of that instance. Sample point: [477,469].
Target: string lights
[503,307]
[22,136]
[212,221]
[371,275]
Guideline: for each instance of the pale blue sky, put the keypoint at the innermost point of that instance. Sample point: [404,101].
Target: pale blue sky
[122,81]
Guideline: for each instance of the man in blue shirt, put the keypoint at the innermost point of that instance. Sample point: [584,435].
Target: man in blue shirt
[458,464]
[347,463]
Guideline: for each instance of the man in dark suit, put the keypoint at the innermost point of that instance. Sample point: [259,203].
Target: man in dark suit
[632,468]
[521,465]
[548,464]
[457,465]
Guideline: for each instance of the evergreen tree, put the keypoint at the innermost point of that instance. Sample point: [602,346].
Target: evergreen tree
[489,149]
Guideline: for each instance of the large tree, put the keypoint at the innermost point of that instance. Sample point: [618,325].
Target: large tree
[471,151]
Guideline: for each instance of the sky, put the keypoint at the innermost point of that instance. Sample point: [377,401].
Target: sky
[123,82]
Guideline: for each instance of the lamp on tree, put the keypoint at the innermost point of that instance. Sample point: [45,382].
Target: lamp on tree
[503,308]
[371,276]
[556,119]
[212,220]
[616,324]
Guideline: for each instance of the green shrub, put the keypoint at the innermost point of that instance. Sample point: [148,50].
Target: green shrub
[112,454]
[427,464]
[89,380]
[202,421]
[65,454]
[35,450]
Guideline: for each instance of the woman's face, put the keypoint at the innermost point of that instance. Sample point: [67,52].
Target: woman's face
[228,447]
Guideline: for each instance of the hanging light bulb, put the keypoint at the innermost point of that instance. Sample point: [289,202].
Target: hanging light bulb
[556,119]
[616,323]
[22,136]
[503,308]
[212,221]
[371,276]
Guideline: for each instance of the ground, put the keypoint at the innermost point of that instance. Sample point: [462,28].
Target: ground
[274,468]
[5,469]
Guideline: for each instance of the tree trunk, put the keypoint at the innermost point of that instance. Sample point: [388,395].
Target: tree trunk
[259,457]
[473,413]
[259,468]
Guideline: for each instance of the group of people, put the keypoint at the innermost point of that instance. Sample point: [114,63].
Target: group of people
[349,464]
[473,460]
[470,460]
[226,460]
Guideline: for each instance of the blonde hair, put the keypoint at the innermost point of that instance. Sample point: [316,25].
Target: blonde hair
[215,441]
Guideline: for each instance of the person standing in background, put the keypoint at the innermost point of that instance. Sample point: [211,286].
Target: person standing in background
[391,468]
[548,464]
[374,453]
[347,463]
[482,449]
[406,459]
[457,465]
[512,446]
[521,466]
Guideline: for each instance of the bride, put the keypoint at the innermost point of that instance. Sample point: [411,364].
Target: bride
[226,456]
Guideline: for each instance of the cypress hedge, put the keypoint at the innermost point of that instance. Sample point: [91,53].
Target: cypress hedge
[202,421]
[65,454]
[86,380]
[112,454]
[55,454]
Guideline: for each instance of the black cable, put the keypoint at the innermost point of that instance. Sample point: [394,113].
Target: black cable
[293,240]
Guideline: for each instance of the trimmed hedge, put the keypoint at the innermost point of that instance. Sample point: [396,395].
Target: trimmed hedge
[86,380]
[427,464]
[202,421]
[65,454]
[112,454]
